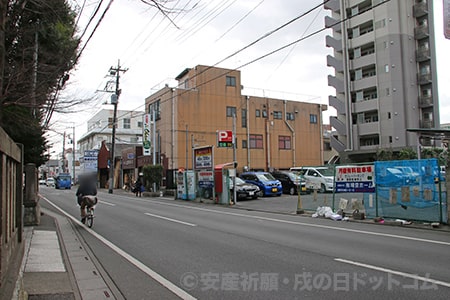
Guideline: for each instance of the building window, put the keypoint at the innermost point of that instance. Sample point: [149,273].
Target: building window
[390,139]
[278,115]
[231,81]
[256,141]
[257,113]
[313,119]
[244,144]
[231,111]
[284,142]
[139,124]
[290,116]
[264,113]
[126,123]
[244,118]
[110,122]
[155,106]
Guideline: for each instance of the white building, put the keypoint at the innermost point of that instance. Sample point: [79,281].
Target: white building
[128,130]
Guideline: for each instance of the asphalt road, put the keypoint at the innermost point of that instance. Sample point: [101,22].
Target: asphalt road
[160,248]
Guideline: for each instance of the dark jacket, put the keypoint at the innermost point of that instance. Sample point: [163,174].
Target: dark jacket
[86,187]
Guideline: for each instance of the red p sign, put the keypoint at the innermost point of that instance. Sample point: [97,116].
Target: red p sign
[225,136]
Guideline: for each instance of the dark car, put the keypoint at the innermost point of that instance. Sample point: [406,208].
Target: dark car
[245,190]
[268,184]
[290,181]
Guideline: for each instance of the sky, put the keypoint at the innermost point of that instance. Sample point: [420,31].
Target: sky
[155,48]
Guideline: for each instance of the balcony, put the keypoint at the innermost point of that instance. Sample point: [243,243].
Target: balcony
[337,104]
[338,125]
[336,83]
[425,124]
[424,78]
[333,43]
[338,65]
[366,128]
[420,9]
[421,32]
[336,144]
[333,23]
[423,55]
[333,5]
[425,101]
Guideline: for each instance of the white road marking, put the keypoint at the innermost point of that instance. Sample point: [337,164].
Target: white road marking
[169,219]
[408,275]
[308,224]
[163,281]
[107,203]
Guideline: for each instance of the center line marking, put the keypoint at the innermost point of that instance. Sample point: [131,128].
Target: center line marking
[407,275]
[172,220]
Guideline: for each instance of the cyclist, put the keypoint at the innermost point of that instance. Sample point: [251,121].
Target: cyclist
[88,187]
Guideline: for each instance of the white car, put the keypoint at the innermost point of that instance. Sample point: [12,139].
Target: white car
[317,178]
[50,182]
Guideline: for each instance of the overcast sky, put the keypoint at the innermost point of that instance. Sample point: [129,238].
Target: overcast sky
[205,32]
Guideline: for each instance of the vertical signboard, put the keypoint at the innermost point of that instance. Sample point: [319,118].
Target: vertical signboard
[90,161]
[203,158]
[446,12]
[146,144]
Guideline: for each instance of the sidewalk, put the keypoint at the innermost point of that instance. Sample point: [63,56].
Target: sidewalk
[57,264]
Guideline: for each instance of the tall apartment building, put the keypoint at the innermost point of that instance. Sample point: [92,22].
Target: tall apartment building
[385,75]
[270,133]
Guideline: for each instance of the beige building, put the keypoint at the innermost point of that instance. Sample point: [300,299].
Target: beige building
[270,133]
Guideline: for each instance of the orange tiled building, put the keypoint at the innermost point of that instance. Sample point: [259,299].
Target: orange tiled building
[270,133]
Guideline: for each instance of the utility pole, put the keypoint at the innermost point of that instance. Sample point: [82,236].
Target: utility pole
[114,71]
[64,154]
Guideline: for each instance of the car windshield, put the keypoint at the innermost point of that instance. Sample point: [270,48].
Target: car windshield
[239,181]
[265,177]
[294,176]
[326,172]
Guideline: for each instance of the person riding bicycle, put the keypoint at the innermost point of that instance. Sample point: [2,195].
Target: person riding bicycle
[88,187]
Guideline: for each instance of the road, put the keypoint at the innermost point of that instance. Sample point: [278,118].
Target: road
[160,248]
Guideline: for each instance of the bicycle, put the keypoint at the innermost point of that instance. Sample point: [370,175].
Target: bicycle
[90,215]
[89,203]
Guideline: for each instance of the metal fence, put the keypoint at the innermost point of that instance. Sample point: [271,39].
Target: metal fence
[401,189]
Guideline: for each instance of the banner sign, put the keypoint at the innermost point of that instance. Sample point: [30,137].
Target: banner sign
[355,179]
[206,179]
[146,143]
[203,158]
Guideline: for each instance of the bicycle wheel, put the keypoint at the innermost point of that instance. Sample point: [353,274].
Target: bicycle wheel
[90,218]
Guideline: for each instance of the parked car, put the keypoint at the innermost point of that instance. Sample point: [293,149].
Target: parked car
[42,182]
[413,177]
[392,177]
[268,184]
[50,182]
[245,190]
[290,181]
[320,178]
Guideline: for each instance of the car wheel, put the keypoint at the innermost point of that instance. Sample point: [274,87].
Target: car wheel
[322,188]
[255,197]
[292,191]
